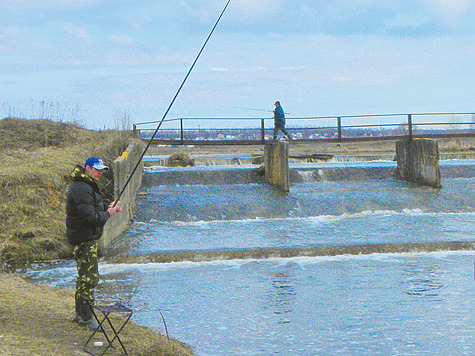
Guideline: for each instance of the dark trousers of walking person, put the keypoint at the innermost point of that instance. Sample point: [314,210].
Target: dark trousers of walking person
[280,128]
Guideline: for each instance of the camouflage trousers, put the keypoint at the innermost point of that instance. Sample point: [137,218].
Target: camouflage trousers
[85,255]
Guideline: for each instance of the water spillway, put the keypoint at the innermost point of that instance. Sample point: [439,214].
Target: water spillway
[289,252]
[228,214]
[299,173]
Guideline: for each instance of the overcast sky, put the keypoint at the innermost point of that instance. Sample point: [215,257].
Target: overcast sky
[94,60]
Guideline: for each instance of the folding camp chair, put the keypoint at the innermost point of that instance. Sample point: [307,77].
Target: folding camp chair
[105,310]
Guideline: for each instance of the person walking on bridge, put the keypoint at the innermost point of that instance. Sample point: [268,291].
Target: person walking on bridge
[86,215]
[279,121]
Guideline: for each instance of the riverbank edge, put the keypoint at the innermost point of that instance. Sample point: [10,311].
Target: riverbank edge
[37,157]
[37,320]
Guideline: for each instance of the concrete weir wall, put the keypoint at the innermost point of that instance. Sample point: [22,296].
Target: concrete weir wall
[276,164]
[122,167]
[418,161]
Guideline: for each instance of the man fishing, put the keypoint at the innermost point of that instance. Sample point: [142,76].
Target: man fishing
[86,215]
[279,121]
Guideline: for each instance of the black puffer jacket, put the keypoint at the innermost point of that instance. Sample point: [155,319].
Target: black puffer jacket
[85,212]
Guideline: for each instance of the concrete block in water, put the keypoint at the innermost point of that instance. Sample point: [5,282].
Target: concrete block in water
[418,161]
[276,163]
[122,167]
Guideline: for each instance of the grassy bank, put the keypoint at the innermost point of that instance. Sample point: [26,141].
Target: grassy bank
[37,320]
[36,158]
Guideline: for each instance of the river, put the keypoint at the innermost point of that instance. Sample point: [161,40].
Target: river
[410,303]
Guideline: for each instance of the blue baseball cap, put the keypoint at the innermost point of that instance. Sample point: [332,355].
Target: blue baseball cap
[96,163]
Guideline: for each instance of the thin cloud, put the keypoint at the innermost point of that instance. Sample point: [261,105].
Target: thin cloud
[330,54]
[78,32]
[28,5]
[255,7]
[195,12]
[219,69]
[450,10]
[121,40]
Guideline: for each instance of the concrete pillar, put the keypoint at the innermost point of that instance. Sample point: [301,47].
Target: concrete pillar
[122,167]
[418,161]
[276,164]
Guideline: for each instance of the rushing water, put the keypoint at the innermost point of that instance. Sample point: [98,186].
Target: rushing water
[408,304]
[243,216]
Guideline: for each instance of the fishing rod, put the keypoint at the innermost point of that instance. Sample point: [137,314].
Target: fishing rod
[170,106]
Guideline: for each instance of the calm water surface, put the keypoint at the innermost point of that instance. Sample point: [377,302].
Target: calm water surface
[383,304]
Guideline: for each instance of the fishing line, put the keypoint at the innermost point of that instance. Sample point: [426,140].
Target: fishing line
[253,109]
[170,106]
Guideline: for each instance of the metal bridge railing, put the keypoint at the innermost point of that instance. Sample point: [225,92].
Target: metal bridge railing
[310,129]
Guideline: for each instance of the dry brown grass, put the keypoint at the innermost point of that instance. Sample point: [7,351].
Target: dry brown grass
[34,181]
[36,158]
[37,320]
[36,133]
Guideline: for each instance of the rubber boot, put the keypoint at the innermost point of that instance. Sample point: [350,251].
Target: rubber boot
[86,317]
[77,318]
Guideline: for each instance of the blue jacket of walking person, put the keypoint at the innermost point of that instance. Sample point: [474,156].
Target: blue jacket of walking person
[279,116]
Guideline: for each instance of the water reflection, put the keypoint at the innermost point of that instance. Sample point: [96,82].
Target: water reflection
[282,296]
[423,281]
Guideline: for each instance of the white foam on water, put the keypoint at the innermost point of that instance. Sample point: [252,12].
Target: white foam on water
[153,266]
[415,211]
[382,257]
[142,223]
[363,214]
[421,212]
[300,260]
[308,176]
[55,276]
